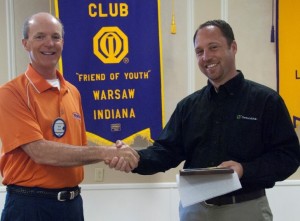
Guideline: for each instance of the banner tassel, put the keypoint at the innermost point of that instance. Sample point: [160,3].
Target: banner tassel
[272,28]
[173,24]
[272,34]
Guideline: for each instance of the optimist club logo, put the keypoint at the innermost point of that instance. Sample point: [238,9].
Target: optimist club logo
[110,45]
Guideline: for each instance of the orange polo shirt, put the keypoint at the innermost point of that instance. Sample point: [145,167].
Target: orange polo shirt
[29,106]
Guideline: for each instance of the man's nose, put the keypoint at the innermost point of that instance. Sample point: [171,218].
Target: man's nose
[49,41]
[206,55]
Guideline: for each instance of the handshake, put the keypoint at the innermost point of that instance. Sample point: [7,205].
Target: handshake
[122,157]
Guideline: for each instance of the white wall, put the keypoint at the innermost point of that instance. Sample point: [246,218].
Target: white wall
[255,57]
[159,202]
[158,198]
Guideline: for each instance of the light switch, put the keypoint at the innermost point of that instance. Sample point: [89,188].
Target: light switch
[99,173]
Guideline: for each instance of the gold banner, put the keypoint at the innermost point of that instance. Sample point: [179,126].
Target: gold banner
[288,55]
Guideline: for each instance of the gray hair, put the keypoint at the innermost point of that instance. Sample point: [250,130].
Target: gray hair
[26,26]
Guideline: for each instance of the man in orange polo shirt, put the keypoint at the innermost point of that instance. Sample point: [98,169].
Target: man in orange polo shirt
[44,144]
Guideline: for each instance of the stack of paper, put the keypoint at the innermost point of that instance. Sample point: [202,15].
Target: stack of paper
[198,185]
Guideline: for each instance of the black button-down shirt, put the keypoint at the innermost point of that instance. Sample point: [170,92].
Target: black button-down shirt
[244,122]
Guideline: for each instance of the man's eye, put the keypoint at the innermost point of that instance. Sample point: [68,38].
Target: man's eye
[56,38]
[39,37]
[214,47]
[199,53]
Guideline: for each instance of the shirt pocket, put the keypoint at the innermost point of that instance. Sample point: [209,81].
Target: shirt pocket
[244,138]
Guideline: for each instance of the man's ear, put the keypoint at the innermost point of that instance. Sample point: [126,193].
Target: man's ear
[234,46]
[24,43]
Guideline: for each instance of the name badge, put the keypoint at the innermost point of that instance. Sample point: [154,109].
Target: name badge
[59,128]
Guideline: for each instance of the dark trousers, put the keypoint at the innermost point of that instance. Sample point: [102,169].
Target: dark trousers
[27,208]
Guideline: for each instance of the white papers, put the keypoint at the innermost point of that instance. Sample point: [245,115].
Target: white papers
[198,188]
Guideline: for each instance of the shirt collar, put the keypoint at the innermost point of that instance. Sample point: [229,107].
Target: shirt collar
[41,84]
[231,87]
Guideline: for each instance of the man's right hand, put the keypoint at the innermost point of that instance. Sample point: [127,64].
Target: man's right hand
[126,159]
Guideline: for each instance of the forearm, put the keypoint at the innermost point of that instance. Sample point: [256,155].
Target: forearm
[60,154]
[270,168]
[154,160]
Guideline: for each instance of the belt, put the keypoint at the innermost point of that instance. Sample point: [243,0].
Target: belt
[58,194]
[243,197]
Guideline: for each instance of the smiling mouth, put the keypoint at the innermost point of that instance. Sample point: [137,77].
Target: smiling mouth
[48,53]
[210,66]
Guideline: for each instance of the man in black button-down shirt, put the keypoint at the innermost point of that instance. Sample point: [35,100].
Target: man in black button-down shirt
[231,122]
